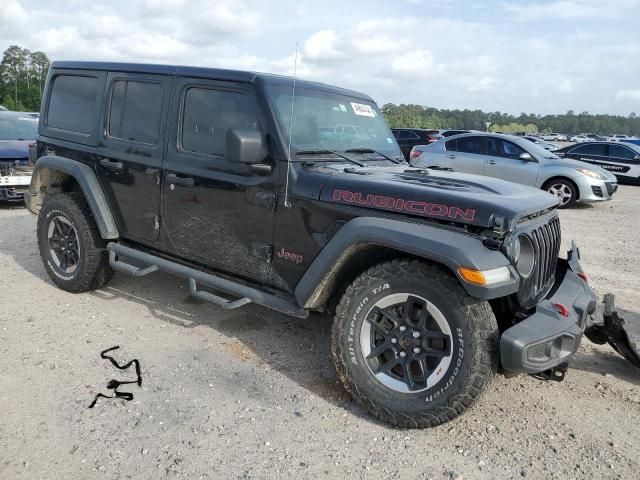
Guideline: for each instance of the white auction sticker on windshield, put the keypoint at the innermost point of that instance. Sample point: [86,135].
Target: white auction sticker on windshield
[363,110]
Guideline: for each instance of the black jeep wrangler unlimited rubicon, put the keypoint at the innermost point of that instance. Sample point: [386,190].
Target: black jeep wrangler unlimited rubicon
[251,187]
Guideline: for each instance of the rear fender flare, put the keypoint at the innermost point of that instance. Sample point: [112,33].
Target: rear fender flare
[52,170]
[433,243]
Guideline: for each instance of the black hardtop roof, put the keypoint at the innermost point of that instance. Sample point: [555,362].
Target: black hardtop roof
[203,72]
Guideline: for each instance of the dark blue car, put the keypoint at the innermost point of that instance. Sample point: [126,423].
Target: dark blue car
[18,130]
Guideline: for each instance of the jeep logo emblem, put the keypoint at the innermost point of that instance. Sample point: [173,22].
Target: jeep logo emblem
[289,256]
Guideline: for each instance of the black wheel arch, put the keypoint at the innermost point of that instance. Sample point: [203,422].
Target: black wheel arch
[366,241]
[54,174]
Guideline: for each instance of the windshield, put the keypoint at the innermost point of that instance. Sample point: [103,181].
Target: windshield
[537,150]
[327,121]
[17,127]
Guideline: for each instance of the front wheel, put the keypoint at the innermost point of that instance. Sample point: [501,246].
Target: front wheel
[411,346]
[565,190]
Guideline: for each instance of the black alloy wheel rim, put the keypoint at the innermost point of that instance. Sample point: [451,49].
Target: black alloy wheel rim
[64,246]
[406,343]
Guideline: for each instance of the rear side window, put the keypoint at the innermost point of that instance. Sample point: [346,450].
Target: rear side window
[72,103]
[408,135]
[473,144]
[135,111]
[207,116]
[618,151]
[451,145]
[597,149]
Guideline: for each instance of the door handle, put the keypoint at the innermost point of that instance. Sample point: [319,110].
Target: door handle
[185,181]
[492,162]
[451,155]
[112,165]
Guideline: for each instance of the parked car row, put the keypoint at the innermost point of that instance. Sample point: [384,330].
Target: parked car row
[517,159]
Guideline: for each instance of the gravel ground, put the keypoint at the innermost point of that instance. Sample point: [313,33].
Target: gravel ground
[253,394]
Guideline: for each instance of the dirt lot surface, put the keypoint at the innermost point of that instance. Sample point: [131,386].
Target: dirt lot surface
[253,394]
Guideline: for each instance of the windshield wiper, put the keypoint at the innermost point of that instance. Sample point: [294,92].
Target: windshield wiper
[368,150]
[329,152]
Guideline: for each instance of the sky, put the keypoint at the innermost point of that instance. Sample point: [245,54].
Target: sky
[545,56]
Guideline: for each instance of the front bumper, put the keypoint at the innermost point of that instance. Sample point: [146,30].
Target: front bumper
[550,336]
[13,188]
[593,190]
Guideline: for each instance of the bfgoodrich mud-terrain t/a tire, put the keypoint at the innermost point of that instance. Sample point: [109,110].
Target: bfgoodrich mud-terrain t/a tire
[411,346]
[72,250]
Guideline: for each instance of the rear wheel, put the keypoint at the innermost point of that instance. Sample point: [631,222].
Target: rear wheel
[411,346]
[565,190]
[72,250]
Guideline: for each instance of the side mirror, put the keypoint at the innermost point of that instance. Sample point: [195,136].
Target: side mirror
[244,146]
[526,157]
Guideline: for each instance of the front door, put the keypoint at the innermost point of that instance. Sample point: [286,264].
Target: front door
[131,151]
[503,161]
[216,211]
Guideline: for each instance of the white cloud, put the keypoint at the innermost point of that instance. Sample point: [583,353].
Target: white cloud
[571,9]
[630,94]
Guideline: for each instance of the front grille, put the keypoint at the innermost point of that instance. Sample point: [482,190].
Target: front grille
[597,191]
[546,245]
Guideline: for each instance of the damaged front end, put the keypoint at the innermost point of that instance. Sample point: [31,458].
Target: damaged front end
[623,336]
[15,177]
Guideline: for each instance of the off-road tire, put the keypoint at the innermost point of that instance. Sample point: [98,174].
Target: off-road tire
[93,270]
[474,353]
[566,184]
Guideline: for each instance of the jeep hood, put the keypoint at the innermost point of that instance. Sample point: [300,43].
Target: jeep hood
[441,195]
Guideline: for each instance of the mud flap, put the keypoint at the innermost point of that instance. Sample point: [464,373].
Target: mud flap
[623,336]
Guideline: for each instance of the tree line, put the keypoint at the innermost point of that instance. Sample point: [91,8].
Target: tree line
[22,78]
[417,116]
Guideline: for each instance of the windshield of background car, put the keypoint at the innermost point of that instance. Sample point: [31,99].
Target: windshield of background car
[328,121]
[16,127]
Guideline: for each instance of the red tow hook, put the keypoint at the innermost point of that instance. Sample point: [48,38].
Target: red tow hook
[583,276]
[564,311]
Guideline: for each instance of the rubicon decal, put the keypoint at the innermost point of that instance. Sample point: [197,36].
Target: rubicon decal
[411,206]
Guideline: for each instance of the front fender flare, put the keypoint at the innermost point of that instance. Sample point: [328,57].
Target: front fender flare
[449,248]
[47,172]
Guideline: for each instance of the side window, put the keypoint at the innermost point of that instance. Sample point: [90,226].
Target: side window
[618,151]
[511,150]
[396,134]
[72,103]
[493,147]
[208,114]
[473,144]
[596,149]
[135,111]
[451,145]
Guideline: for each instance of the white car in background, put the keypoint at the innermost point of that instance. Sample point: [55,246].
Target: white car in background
[581,139]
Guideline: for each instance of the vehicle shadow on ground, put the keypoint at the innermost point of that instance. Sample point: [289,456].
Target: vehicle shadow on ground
[297,348]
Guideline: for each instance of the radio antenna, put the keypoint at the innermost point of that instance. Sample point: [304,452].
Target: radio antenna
[287,204]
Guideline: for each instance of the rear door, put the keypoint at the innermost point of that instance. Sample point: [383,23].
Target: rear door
[131,150]
[503,161]
[215,211]
[466,154]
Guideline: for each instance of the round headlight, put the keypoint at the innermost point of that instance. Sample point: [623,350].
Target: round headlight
[526,259]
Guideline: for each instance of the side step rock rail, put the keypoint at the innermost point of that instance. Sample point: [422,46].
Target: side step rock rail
[244,294]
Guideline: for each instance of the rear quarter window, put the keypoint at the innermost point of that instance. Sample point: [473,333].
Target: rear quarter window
[72,104]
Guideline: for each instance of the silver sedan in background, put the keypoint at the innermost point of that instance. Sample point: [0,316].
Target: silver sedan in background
[518,160]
